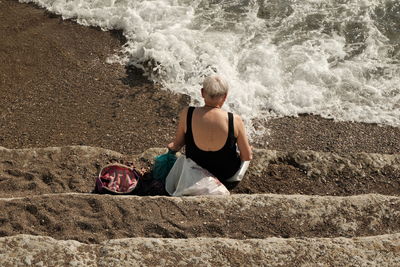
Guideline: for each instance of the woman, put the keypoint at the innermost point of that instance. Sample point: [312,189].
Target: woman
[211,135]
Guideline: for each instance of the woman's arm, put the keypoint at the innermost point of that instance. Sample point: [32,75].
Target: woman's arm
[242,140]
[179,140]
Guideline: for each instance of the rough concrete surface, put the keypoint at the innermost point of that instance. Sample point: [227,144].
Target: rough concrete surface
[23,250]
[94,218]
[74,168]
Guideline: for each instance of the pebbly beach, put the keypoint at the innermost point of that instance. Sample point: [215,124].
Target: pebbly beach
[65,111]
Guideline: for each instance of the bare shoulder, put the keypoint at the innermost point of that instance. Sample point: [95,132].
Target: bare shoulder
[238,124]
[237,119]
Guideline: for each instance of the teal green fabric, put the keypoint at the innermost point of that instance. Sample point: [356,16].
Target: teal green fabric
[163,165]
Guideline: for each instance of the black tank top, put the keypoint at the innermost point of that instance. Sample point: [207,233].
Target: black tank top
[223,163]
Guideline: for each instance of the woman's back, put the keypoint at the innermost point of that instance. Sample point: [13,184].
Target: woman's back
[211,142]
[209,128]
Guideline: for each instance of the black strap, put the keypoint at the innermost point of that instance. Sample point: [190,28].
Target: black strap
[231,129]
[189,120]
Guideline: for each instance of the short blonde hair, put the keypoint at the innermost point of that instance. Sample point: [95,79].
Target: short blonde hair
[215,86]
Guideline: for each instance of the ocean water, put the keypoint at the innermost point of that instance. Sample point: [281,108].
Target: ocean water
[336,58]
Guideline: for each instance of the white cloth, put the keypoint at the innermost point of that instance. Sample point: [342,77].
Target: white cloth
[238,176]
[186,178]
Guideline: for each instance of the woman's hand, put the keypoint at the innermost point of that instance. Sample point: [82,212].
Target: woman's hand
[173,147]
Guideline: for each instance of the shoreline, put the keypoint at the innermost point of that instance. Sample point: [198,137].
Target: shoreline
[57,90]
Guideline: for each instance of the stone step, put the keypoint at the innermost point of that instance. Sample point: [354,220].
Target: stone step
[29,250]
[94,218]
[73,169]
[321,173]
[52,170]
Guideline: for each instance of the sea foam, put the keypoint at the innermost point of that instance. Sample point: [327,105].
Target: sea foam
[338,59]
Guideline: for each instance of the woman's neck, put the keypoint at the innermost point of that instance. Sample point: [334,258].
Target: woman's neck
[212,106]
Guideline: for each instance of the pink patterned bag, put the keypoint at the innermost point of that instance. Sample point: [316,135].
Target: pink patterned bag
[117,178]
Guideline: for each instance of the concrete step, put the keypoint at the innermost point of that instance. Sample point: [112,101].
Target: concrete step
[95,218]
[73,169]
[321,173]
[29,250]
[52,170]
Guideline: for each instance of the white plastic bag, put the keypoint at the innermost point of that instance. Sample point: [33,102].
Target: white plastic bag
[240,173]
[186,178]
